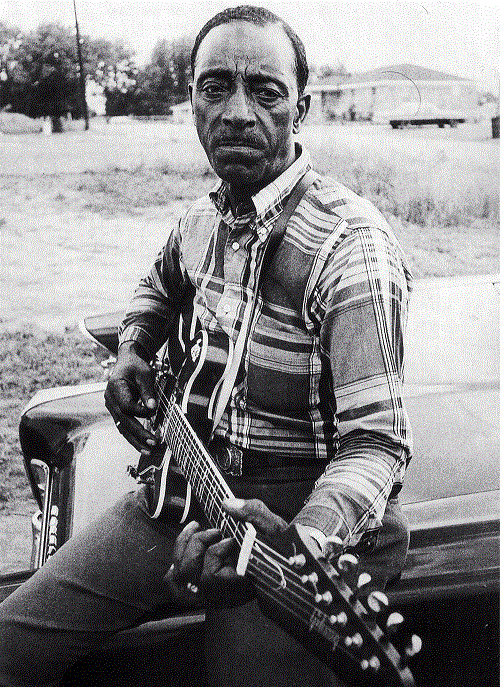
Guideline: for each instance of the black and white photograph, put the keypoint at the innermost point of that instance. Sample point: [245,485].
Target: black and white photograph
[249,343]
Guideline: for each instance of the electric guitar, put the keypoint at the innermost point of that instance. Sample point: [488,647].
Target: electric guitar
[313,599]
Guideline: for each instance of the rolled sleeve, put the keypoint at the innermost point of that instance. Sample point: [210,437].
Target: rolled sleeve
[157,299]
[365,291]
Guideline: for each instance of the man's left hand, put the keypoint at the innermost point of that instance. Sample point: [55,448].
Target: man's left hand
[220,583]
[207,563]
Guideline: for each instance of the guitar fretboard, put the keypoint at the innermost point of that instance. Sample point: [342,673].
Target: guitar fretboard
[201,472]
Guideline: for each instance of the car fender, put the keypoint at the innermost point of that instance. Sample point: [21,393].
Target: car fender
[70,431]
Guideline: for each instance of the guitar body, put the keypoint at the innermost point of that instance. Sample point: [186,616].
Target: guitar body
[194,390]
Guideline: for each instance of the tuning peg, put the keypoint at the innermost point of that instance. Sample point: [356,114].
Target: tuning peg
[394,622]
[363,580]
[334,541]
[333,546]
[412,649]
[355,640]
[326,598]
[297,561]
[340,619]
[414,646]
[377,601]
[347,562]
[312,579]
[372,664]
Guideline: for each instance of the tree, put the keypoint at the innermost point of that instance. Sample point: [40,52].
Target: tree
[164,82]
[111,65]
[10,41]
[339,71]
[41,71]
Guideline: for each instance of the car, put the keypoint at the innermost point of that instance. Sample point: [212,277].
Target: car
[419,114]
[76,462]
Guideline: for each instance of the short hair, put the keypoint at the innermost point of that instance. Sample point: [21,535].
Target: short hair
[261,17]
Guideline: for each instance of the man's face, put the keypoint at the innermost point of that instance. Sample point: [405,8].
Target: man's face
[245,103]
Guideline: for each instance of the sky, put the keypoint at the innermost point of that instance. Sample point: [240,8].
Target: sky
[461,38]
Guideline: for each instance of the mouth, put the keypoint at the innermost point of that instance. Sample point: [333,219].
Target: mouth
[238,143]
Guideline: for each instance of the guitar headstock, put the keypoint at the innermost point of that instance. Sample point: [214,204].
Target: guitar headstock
[343,619]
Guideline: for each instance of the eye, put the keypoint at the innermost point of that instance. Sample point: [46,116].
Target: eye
[212,90]
[268,96]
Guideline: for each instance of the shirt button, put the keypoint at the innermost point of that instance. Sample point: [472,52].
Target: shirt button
[235,245]
[226,307]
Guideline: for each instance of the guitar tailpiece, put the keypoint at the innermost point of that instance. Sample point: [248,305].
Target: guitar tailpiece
[132,471]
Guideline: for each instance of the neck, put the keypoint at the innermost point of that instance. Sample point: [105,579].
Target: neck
[240,195]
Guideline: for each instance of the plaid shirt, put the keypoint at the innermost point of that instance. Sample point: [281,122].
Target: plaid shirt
[323,365]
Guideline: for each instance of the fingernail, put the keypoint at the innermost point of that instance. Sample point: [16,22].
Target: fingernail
[234,503]
[151,442]
[191,525]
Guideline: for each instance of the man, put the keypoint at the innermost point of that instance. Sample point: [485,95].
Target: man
[316,411]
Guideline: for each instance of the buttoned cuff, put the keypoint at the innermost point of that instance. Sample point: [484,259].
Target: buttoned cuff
[324,520]
[140,336]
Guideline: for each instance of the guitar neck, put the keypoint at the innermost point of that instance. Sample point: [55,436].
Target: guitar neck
[201,472]
[267,567]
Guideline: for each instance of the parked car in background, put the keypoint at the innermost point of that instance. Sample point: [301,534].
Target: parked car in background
[77,466]
[419,114]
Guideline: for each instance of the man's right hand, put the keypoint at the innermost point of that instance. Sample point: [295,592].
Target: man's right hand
[130,394]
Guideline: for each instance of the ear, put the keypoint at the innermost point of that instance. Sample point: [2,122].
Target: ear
[190,91]
[303,106]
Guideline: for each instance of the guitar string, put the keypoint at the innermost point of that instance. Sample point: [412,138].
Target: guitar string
[221,515]
[238,535]
[304,615]
[295,602]
[195,469]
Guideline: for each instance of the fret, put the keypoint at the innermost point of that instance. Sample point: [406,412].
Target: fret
[196,465]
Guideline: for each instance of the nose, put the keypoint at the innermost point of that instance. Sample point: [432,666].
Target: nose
[238,113]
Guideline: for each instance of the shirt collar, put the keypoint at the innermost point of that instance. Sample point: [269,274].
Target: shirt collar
[268,203]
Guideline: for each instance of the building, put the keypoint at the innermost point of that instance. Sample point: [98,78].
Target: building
[361,96]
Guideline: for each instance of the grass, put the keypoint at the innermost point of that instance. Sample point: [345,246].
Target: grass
[431,193]
[129,190]
[30,360]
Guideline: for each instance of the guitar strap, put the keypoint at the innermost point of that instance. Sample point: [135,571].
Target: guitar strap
[273,243]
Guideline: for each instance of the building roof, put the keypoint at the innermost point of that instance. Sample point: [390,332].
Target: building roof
[395,72]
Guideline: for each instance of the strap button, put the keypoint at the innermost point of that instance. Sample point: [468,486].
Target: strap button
[235,245]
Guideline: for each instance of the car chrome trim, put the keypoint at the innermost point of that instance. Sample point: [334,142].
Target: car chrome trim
[454,511]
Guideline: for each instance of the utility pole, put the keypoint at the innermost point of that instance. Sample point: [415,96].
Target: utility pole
[82,75]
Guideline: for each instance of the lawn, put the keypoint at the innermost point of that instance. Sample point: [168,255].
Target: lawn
[83,214]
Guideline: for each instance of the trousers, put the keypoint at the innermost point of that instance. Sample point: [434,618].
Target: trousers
[108,576]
